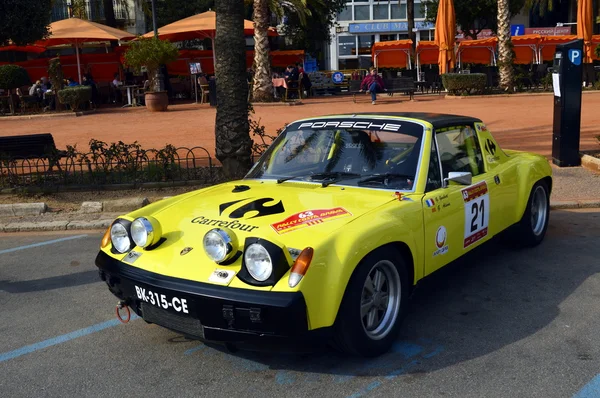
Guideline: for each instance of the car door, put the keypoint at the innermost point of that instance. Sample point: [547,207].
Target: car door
[456,215]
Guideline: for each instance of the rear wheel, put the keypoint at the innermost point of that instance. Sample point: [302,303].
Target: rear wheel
[374,305]
[531,230]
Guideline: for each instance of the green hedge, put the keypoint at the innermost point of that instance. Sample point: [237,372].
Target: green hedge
[459,84]
[75,96]
[13,76]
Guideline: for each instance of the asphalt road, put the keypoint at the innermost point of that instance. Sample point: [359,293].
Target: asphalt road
[500,323]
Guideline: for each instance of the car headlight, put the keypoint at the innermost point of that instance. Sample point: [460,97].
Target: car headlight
[145,231]
[258,262]
[120,237]
[219,245]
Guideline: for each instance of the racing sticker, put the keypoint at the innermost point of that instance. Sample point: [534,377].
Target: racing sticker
[441,237]
[477,212]
[308,218]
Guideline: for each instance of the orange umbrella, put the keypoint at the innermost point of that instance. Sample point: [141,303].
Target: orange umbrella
[76,31]
[199,26]
[585,28]
[445,35]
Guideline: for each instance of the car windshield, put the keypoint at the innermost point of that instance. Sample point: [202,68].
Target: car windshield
[347,156]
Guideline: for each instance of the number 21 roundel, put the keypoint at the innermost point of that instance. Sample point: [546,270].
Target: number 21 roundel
[477,213]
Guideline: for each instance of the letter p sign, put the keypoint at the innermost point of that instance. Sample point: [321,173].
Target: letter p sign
[575,57]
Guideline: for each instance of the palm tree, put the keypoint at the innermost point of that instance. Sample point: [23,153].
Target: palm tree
[262,90]
[232,131]
[544,5]
[410,16]
[505,47]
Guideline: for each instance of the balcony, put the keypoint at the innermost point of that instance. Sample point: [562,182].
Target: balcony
[88,9]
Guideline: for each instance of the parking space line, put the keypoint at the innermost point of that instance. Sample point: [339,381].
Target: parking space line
[590,390]
[61,339]
[48,242]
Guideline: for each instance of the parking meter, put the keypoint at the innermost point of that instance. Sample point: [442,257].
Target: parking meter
[566,81]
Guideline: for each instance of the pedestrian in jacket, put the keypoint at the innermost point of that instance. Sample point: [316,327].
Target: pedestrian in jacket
[373,84]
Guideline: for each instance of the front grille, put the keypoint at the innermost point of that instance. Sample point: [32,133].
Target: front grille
[182,324]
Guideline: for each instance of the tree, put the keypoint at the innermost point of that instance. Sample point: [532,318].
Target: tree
[410,16]
[475,15]
[505,47]
[262,86]
[24,21]
[12,77]
[232,131]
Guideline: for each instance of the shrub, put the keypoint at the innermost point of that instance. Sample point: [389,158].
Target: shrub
[150,53]
[13,76]
[458,84]
[75,96]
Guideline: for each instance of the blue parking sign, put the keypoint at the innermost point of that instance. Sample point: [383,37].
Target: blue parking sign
[337,77]
[575,56]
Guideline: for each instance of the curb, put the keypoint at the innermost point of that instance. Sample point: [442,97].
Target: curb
[22,209]
[49,115]
[591,163]
[545,93]
[575,204]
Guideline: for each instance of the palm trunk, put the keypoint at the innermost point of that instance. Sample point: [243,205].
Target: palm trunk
[232,131]
[410,16]
[505,48]
[262,90]
[109,13]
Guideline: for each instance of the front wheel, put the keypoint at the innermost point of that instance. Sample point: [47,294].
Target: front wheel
[531,230]
[373,305]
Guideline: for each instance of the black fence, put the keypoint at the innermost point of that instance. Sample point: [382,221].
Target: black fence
[194,165]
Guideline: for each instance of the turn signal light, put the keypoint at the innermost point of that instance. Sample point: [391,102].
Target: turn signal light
[105,239]
[300,266]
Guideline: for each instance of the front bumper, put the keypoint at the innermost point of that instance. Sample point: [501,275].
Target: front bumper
[214,313]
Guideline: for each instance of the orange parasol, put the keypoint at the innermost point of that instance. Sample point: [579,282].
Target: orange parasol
[585,28]
[199,26]
[76,31]
[445,35]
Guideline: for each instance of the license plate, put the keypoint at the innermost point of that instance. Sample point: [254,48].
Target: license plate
[161,300]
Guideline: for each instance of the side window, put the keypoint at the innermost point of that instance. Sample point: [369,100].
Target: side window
[434,178]
[459,150]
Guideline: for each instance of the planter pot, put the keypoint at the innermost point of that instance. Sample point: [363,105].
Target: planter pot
[157,101]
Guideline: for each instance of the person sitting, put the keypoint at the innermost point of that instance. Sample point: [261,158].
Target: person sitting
[374,84]
[71,82]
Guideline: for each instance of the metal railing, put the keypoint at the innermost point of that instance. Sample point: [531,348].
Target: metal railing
[89,9]
[96,169]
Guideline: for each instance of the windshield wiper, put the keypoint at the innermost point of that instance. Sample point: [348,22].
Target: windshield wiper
[333,177]
[280,180]
[383,177]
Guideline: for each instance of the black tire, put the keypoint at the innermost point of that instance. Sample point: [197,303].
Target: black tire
[350,334]
[530,233]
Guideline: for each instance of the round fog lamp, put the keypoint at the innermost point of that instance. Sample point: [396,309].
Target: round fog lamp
[119,237]
[258,262]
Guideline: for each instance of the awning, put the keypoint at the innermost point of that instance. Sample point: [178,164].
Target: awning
[427,53]
[548,45]
[526,48]
[392,54]
[481,51]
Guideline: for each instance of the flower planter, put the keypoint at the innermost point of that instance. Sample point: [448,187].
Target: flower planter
[157,101]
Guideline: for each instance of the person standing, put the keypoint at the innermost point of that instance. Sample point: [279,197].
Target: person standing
[373,84]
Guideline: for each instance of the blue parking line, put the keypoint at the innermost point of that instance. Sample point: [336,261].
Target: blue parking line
[61,339]
[590,390]
[48,242]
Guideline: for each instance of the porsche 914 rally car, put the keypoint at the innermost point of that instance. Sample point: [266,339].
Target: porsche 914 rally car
[328,233]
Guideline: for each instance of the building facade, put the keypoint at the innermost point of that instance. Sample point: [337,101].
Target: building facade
[128,14]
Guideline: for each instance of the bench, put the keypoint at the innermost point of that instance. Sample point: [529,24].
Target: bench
[395,85]
[39,146]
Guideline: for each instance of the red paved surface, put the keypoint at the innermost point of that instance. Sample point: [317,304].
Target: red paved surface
[517,122]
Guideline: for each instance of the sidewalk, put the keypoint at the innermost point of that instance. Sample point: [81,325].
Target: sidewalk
[573,188]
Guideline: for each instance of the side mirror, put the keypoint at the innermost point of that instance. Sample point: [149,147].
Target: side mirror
[464,178]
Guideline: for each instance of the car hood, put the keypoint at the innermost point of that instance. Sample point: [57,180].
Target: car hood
[288,212]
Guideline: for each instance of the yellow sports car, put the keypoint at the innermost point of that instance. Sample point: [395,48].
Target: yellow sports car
[329,232]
